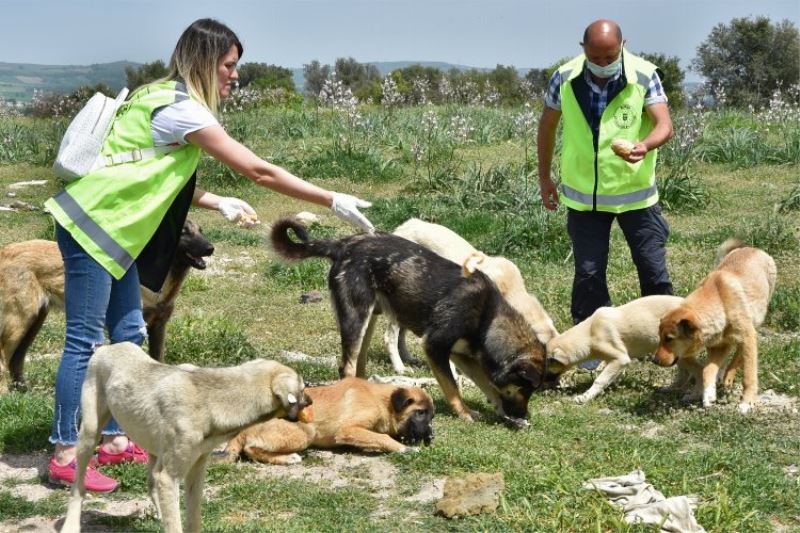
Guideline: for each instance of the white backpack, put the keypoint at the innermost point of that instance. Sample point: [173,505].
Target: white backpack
[79,153]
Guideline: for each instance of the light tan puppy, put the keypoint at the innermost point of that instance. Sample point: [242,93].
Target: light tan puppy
[505,274]
[722,315]
[350,412]
[178,415]
[614,335]
[32,283]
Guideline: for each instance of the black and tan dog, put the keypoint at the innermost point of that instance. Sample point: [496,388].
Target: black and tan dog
[32,282]
[463,319]
[350,412]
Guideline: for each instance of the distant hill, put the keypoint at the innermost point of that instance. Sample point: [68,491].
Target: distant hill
[18,80]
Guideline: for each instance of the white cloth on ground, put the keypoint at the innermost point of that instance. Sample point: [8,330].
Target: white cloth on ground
[642,503]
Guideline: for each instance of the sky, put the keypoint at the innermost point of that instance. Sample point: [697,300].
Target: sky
[290,33]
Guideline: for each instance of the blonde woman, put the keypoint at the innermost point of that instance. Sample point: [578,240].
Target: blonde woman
[118,226]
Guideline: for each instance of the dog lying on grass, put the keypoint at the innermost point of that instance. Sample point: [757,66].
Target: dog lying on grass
[615,335]
[722,315]
[500,270]
[350,412]
[465,319]
[177,414]
[32,282]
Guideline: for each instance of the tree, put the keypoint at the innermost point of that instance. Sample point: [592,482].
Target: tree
[264,76]
[361,78]
[315,74]
[672,79]
[750,58]
[145,73]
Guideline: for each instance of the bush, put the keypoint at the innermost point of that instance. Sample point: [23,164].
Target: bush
[205,340]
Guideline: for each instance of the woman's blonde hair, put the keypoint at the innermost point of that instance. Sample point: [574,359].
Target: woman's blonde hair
[196,56]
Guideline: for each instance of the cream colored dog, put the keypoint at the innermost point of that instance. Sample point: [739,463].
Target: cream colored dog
[614,335]
[722,315]
[178,415]
[505,274]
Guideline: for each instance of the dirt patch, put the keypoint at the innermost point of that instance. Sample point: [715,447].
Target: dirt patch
[226,265]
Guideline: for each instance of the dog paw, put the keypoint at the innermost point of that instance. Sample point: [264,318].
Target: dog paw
[582,398]
[293,459]
[410,449]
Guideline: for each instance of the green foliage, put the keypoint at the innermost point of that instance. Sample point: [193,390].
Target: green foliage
[207,340]
[146,73]
[749,58]
[264,76]
[791,202]
[784,308]
[57,105]
[672,79]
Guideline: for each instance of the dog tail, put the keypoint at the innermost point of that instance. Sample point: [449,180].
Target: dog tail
[290,249]
[727,247]
[471,263]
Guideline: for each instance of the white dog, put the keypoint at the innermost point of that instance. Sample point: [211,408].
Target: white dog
[178,415]
[505,274]
[614,335]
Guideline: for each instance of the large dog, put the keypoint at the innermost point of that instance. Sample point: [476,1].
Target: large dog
[465,319]
[350,412]
[32,282]
[500,270]
[722,314]
[614,335]
[179,415]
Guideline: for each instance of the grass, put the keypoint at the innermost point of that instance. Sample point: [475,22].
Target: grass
[247,305]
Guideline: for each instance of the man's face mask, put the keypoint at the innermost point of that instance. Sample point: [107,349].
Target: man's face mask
[607,71]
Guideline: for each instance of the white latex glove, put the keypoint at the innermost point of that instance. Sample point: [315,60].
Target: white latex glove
[238,211]
[346,207]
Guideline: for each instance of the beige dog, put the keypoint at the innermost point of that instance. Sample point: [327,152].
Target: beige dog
[722,314]
[350,412]
[614,335]
[178,415]
[505,274]
[32,283]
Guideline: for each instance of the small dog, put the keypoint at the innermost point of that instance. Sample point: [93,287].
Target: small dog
[722,314]
[178,415]
[500,270]
[614,335]
[350,412]
[465,319]
[32,282]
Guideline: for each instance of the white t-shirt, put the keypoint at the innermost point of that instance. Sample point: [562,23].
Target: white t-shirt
[171,124]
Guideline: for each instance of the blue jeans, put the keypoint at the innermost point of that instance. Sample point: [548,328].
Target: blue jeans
[93,299]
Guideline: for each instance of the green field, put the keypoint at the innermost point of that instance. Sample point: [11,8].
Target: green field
[726,173]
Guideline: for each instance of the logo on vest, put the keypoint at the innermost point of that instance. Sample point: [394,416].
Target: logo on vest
[624,116]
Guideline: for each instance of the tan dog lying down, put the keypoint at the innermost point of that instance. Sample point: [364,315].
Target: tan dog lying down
[350,412]
[722,315]
[505,274]
[614,335]
[178,415]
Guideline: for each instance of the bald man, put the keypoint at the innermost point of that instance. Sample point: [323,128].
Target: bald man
[604,94]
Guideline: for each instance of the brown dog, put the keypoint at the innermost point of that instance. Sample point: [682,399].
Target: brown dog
[350,412]
[722,314]
[32,282]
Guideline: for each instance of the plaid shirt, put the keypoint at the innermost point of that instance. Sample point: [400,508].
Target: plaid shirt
[599,95]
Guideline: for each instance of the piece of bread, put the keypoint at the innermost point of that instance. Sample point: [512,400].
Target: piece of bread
[247,220]
[622,146]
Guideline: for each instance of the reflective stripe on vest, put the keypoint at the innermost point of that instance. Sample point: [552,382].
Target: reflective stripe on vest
[609,199]
[93,230]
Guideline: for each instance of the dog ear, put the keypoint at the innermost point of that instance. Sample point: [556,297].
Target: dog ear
[401,399]
[686,328]
[519,370]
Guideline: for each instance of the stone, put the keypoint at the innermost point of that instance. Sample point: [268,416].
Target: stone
[471,494]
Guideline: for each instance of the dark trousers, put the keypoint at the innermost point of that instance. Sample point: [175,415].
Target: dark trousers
[646,231]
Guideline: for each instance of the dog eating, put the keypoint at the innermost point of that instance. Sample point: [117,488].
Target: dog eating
[463,319]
